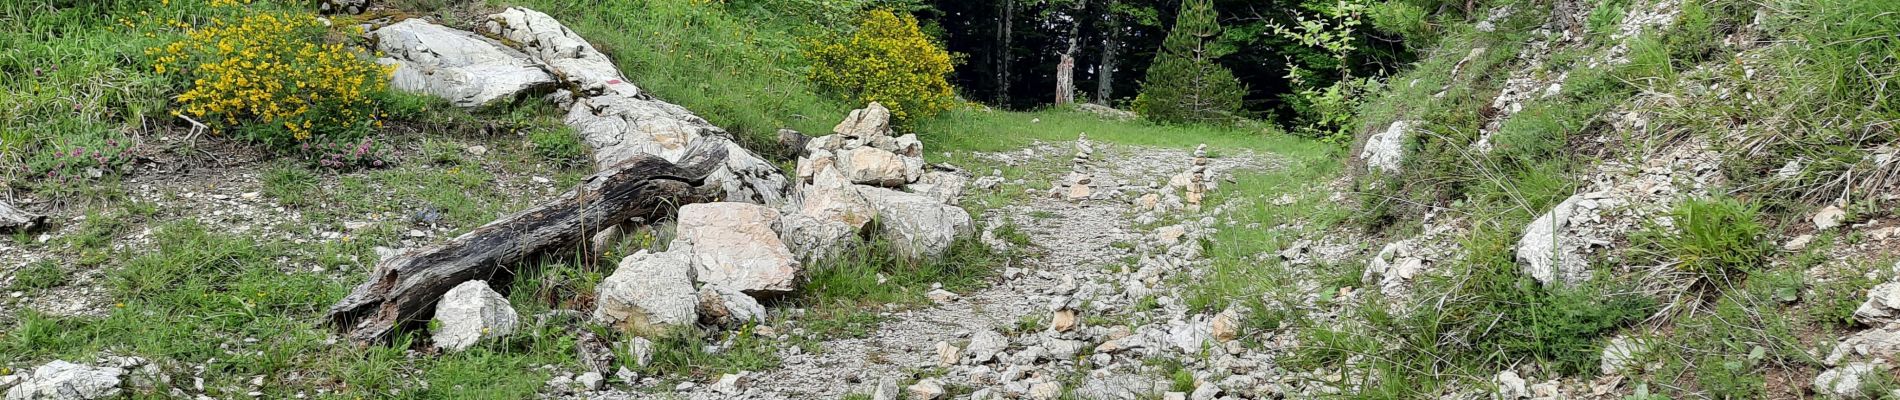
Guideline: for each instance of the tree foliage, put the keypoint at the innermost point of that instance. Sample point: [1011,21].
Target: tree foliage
[889,60]
[1185,84]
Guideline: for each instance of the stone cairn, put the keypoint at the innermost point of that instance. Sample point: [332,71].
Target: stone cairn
[1197,178]
[1081,178]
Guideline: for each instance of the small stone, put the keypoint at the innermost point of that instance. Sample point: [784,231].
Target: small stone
[729,384]
[472,312]
[940,296]
[1225,325]
[1828,218]
[926,389]
[1798,243]
[478,150]
[1063,320]
[1045,391]
[948,354]
[540,180]
[886,389]
[591,380]
[1510,386]
[642,351]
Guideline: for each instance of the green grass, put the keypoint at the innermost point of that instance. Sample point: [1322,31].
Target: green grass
[744,72]
[38,276]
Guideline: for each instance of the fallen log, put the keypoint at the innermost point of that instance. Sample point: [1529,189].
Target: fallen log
[404,289]
[17,220]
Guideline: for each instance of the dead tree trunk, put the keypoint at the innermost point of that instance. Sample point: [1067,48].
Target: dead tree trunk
[405,288]
[17,220]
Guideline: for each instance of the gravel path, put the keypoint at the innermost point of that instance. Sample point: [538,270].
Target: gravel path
[1075,241]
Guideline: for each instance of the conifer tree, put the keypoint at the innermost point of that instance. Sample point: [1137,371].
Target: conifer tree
[1185,84]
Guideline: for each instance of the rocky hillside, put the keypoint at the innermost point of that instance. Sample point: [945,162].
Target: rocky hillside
[1560,199]
[1667,198]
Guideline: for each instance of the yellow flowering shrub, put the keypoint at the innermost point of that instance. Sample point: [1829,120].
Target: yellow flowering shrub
[886,60]
[272,77]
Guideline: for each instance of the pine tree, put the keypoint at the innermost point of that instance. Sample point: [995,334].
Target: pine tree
[1185,84]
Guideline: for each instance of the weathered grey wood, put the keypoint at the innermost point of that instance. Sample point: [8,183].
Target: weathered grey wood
[405,288]
[17,220]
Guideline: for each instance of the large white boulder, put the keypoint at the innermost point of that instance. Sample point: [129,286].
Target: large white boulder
[736,246]
[561,49]
[61,380]
[1542,253]
[649,292]
[918,226]
[1385,151]
[618,120]
[472,312]
[466,69]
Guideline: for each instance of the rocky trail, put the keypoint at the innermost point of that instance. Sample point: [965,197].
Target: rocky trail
[1021,336]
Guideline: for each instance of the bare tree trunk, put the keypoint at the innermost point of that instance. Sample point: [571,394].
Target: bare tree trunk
[17,220]
[1105,72]
[1002,51]
[1105,69]
[405,288]
[1065,78]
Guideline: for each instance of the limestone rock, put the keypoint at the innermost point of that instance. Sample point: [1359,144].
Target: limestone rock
[873,166]
[886,389]
[1225,326]
[1882,305]
[648,292]
[1063,320]
[472,312]
[1049,390]
[918,226]
[1845,382]
[546,39]
[735,246]
[1385,151]
[832,197]
[1510,386]
[926,389]
[61,380]
[721,306]
[948,354]
[985,345]
[871,121]
[1621,353]
[945,186]
[1539,252]
[813,239]
[1828,218]
[466,69]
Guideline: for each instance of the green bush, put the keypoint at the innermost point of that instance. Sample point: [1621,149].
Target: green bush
[888,60]
[1713,237]
[1409,21]
[272,77]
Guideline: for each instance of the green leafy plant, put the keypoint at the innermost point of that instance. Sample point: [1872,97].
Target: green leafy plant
[1714,237]
[888,60]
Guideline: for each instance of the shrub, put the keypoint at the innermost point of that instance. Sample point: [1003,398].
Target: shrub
[887,60]
[270,75]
